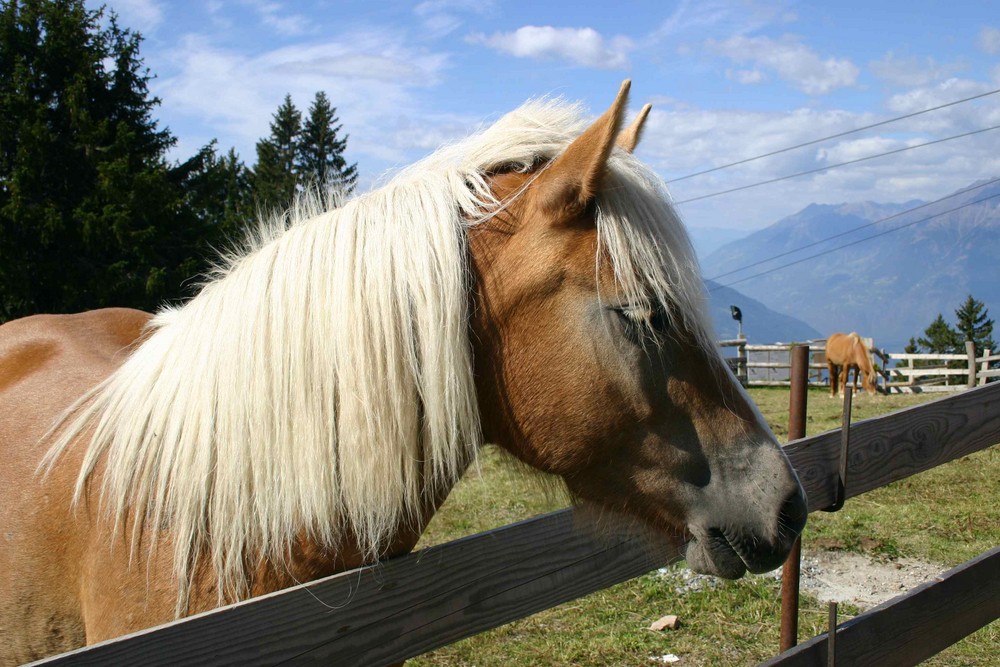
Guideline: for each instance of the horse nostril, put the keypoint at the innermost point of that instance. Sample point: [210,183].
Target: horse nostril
[794,512]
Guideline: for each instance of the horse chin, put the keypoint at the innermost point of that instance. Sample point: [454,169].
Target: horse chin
[711,553]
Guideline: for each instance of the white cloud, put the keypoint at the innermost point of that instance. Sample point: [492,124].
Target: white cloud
[438,6]
[951,90]
[369,76]
[680,140]
[141,15]
[695,17]
[688,16]
[911,71]
[580,46]
[441,17]
[793,61]
[854,149]
[746,76]
[275,16]
[989,40]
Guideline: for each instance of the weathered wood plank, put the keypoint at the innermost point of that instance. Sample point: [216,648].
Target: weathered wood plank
[413,604]
[402,607]
[926,356]
[930,371]
[911,628]
[894,446]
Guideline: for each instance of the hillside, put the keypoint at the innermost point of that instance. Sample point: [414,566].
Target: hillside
[889,286]
[760,324]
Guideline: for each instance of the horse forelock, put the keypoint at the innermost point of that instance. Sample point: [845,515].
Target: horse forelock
[321,381]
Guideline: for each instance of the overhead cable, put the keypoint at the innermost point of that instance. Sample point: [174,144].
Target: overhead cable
[834,166]
[855,229]
[833,136]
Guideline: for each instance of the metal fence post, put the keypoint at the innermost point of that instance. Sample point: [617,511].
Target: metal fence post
[796,429]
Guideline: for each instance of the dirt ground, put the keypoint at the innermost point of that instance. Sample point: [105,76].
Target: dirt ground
[844,576]
[835,575]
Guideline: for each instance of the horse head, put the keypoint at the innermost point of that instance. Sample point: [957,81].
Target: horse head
[870,381]
[594,360]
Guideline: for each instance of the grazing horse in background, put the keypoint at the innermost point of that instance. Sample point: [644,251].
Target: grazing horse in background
[848,351]
[310,408]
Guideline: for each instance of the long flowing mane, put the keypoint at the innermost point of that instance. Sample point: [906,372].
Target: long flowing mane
[321,383]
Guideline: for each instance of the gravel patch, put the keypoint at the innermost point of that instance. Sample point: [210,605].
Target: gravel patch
[832,576]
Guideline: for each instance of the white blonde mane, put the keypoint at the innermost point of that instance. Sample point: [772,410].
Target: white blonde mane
[322,383]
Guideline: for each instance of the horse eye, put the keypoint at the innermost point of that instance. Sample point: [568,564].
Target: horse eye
[642,319]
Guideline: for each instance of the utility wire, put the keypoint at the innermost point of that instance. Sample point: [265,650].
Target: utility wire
[852,243]
[833,136]
[855,229]
[834,166]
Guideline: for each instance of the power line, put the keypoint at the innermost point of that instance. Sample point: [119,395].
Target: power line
[834,166]
[855,229]
[833,136]
[852,243]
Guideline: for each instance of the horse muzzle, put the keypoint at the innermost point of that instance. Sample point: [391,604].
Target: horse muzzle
[729,549]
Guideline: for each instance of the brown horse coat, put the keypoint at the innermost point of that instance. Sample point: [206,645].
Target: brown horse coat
[845,352]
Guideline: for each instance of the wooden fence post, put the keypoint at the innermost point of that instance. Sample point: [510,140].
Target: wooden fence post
[742,371]
[970,350]
[985,367]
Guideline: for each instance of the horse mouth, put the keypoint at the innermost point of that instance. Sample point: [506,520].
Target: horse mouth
[711,552]
[716,553]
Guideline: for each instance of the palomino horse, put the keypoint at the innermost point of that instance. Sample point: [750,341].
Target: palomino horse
[311,407]
[847,351]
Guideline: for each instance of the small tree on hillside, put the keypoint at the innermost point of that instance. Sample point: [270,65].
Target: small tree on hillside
[939,338]
[972,322]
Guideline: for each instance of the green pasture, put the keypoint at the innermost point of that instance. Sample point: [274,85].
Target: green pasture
[946,515]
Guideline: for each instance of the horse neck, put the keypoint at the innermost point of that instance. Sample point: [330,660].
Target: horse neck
[862,358]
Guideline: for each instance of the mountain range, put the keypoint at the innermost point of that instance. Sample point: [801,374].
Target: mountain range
[883,270]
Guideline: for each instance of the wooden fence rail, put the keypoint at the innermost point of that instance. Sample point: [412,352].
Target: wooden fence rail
[409,605]
[908,377]
[911,628]
[985,361]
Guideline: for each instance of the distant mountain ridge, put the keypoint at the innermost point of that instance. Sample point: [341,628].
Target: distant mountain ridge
[889,287]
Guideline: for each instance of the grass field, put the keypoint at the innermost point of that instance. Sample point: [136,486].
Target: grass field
[946,515]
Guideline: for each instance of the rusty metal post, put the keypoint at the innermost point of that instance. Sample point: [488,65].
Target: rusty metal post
[796,429]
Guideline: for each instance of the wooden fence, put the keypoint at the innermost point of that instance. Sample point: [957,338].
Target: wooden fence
[769,365]
[406,606]
[911,628]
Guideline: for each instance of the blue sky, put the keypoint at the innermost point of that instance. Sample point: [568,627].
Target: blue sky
[728,80]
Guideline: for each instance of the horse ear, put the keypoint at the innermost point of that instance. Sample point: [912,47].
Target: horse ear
[629,138]
[573,179]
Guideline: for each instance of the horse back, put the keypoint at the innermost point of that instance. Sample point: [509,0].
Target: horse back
[47,362]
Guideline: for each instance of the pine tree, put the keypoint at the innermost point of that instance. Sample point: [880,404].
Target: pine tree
[82,160]
[91,212]
[939,338]
[972,322]
[274,176]
[321,160]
